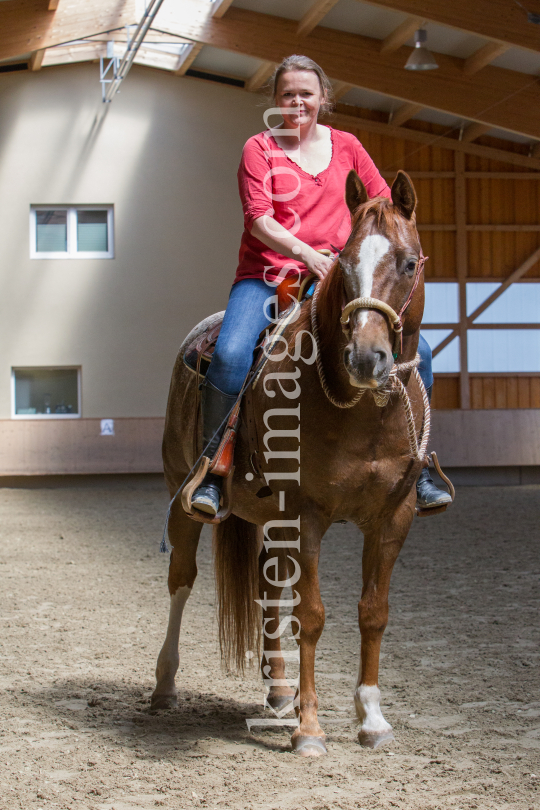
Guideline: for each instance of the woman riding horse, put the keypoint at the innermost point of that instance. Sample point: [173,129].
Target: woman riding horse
[291,181]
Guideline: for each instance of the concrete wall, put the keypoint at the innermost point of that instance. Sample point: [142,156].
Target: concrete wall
[165,153]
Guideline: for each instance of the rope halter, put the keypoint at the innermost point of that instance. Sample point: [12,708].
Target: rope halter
[417,447]
[386,309]
[393,317]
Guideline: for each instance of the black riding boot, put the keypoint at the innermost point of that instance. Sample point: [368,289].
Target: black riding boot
[428,496]
[215,406]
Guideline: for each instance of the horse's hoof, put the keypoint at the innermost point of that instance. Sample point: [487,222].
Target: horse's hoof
[279,702]
[309,746]
[372,739]
[160,702]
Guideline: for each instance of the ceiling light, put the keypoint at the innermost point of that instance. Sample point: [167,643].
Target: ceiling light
[420,58]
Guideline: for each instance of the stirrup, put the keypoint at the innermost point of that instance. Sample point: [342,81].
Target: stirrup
[438,510]
[207,497]
[189,490]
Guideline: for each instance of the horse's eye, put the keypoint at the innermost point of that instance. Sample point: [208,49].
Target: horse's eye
[410,267]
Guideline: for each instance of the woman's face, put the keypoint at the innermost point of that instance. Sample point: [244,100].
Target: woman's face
[299,96]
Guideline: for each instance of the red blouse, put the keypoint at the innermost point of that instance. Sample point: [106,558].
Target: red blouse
[313,208]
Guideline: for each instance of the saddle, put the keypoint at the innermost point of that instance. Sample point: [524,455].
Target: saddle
[199,353]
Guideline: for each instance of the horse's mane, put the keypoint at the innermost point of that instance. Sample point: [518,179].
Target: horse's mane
[330,295]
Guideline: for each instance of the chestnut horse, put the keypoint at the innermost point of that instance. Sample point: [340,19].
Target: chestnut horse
[356,465]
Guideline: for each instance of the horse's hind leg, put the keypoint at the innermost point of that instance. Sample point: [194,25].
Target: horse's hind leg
[272,662]
[381,550]
[184,538]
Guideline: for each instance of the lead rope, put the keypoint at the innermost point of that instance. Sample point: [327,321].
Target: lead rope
[315,329]
[381,396]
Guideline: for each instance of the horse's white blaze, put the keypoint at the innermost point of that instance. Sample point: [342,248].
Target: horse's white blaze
[372,250]
[167,663]
[368,710]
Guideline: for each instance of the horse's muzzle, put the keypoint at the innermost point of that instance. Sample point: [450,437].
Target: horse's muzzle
[367,366]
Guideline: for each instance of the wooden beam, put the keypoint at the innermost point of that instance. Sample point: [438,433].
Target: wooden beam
[341,89]
[27,25]
[515,276]
[460,207]
[495,96]
[220,7]
[313,16]
[531,228]
[476,280]
[426,175]
[536,151]
[53,5]
[483,326]
[347,121]
[260,77]
[36,60]
[474,131]
[404,113]
[484,56]
[70,54]
[504,175]
[187,58]
[492,19]
[401,34]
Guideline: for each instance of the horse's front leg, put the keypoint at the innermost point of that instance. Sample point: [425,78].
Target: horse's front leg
[381,549]
[309,738]
[280,694]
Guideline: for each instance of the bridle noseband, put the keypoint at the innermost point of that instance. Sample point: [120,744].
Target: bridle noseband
[394,318]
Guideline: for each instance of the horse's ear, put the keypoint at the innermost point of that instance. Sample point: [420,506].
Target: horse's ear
[404,195]
[355,192]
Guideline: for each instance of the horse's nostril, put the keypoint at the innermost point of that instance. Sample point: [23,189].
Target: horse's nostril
[346,356]
[382,358]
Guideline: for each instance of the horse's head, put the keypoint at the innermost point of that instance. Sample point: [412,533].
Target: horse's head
[380,264]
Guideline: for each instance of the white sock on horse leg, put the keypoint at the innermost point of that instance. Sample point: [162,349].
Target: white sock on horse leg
[368,710]
[168,658]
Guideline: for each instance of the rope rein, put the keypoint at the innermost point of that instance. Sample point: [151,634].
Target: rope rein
[315,329]
[382,395]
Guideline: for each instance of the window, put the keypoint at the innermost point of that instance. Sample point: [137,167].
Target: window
[46,393]
[520,303]
[503,350]
[442,307]
[442,302]
[447,361]
[503,339]
[75,232]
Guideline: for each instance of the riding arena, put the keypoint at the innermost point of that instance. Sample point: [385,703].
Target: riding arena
[270,431]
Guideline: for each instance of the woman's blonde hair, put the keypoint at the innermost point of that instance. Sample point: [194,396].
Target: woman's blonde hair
[299,62]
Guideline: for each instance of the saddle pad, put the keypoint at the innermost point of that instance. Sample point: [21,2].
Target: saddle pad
[204,346]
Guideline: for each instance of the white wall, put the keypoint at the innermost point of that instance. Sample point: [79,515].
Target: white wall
[165,153]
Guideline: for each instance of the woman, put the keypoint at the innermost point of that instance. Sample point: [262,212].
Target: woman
[291,180]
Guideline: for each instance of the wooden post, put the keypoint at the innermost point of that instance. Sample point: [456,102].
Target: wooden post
[460,202]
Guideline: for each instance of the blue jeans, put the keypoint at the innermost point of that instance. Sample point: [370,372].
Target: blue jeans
[424,366]
[245,318]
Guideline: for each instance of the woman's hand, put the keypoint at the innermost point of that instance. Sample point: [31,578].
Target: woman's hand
[317,263]
[272,234]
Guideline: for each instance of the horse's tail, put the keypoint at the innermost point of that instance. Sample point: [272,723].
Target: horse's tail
[236,563]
